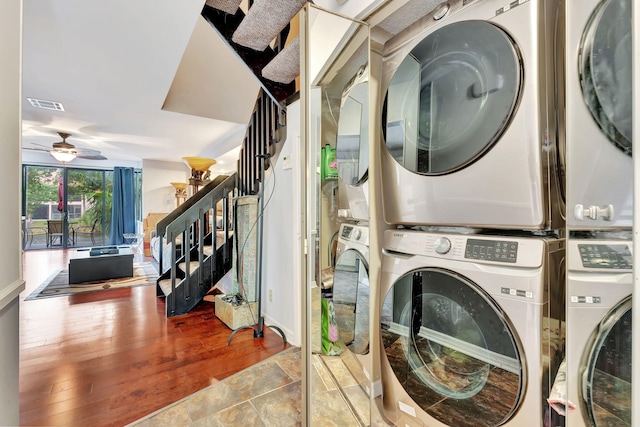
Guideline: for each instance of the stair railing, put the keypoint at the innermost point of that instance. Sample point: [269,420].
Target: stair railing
[195,220]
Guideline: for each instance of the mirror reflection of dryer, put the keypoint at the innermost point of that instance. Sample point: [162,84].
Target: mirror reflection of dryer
[598,114]
[352,149]
[350,295]
[462,326]
[599,287]
[469,119]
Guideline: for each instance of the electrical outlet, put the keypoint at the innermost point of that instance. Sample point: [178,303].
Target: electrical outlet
[270,295]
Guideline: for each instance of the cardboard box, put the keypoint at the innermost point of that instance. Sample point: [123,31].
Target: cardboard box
[236,316]
[149,228]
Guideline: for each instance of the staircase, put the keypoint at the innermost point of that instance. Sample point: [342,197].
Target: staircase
[200,253]
[265,38]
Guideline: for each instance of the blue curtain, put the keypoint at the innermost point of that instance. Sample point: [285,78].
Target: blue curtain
[123,207]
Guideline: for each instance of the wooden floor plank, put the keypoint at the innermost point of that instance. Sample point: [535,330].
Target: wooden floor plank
[109,358]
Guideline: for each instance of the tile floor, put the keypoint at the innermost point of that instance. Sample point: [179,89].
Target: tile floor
[268,394]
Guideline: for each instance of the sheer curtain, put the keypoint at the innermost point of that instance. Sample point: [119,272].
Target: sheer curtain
[123,208]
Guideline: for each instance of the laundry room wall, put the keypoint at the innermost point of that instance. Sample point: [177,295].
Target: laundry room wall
[12,283]
[281,290]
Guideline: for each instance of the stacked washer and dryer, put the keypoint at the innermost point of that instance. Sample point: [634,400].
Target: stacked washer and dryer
[351,288]
[599,212]
[472,274]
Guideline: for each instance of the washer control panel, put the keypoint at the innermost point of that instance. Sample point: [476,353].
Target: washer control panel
[491,250]
[615,257]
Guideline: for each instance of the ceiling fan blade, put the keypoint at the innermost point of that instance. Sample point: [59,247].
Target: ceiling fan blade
[91,156]
[46,150]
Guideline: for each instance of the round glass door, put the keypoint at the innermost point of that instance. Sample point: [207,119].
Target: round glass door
[608,374]
[351,300]
[452,97]
[352,146]
[605,70]
[452,349]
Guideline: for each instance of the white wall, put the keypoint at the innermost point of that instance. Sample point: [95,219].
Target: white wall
[158,195]
[281,237]
[11,283]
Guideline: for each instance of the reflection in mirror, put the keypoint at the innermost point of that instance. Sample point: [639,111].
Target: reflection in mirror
[337,90]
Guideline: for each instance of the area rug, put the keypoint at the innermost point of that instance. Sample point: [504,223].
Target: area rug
[57,284]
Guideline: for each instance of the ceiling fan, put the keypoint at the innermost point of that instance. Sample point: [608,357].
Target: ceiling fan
[65,152]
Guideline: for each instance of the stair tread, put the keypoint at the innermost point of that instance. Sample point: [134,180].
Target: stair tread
[264,20]
[165,285]
[193,266]
[285,67]
[227,6]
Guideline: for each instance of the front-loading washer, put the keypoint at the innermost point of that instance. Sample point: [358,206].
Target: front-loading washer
[351,299]
[598,359]
[464,328]
[352,149]
[469,123]
[599,167]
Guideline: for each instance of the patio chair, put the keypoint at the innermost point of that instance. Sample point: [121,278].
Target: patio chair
[86,231]
[54,232]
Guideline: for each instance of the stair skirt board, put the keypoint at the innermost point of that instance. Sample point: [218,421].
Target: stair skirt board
[264,21]
[227,6]
[285,67]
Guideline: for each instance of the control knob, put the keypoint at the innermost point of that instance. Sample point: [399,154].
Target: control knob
[442,245]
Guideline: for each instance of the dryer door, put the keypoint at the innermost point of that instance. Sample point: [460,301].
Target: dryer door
[606,381]
[605,70]
[452,349]
[452,97]
[351,300]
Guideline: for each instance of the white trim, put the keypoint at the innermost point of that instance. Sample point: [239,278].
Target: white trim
[9,293]
[291,337]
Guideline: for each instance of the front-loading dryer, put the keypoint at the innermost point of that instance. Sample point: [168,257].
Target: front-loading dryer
[469,122]
[598,360]
[463,326]
[351,299]
[352,149]
[599,167]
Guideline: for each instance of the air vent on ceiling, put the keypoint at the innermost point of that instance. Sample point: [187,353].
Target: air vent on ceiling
[49,105]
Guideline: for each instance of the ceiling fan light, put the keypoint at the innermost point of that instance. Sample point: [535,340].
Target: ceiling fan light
[63,156]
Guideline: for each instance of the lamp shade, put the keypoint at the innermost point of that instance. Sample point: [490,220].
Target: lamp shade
[63,156]
[199,163]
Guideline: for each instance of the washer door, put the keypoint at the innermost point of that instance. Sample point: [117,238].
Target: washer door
[605,70]
[452,97]
[607,378]
[351,300]
[352,146]
[452,349]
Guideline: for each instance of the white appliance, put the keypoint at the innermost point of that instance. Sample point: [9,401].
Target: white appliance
[469,119]
[598,114]
[462,326]
[599,287]
[352,149]
[351,301]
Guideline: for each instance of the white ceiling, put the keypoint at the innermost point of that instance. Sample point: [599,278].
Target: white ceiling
[138,80]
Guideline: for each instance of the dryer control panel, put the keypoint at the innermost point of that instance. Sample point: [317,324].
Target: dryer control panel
[492,250]
[615,257]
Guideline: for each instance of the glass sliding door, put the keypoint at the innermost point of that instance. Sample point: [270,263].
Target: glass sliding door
[68,207]
[44,221]
[88,207]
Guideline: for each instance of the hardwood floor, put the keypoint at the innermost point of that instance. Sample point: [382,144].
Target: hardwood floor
[111,357]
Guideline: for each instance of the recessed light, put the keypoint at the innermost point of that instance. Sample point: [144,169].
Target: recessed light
[47,105]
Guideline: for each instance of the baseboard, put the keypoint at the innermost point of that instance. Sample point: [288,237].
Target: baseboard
[291,338]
